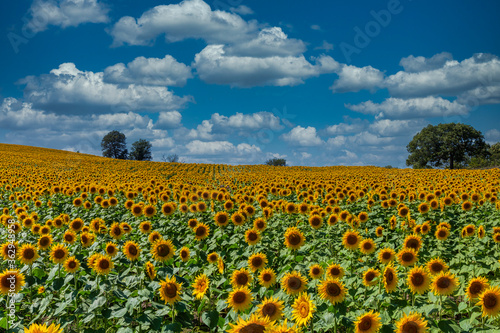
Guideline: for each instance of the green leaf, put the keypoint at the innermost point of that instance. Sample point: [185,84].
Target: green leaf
[98,302]
[58,283]
[174,328]
[60,308]
[462,306]
[125,330]
[118,313]
[448,326]
[210,319]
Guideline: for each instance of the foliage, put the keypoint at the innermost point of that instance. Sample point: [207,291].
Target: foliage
[173,158]
[445,145]
[114,145]
[491,160]
[276,162]
[141,150]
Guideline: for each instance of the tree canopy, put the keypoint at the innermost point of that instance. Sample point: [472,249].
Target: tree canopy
[141,150]
[276,162]
[445,145]
[114,145]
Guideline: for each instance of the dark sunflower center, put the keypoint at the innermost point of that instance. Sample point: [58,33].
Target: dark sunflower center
[137,210]
[315,221]
[370,276]
[490,301]
[5,281]
[213,257]
[253,328]
[425,228]
[59,254]
[145,227]
[386,255]
[170,290]
[132,250]
[117,231]
[335,271]
[200,232]
[84,239]
[242,279]
[352,239]
[110,249]
[333,289]
[163,250]
[316,271]
[294,239]
[150,210]
[294,283]
[365,324]
[238,219]
[252,236]
[184,254]
[389,276]
[28,254]
[222,219]
[72,264]
[470,230]
[239,297]
[442,233]
[103,264]
[77,225]
[417,279]
[257,262]
[443,282]
[476,288]
[407,257]
[260,225]
[267,277]
[412,243]
[367,246]
[410,327]
[44,241]
[269,309]
[436,267]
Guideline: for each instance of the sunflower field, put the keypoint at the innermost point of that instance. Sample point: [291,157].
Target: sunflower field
[90,244]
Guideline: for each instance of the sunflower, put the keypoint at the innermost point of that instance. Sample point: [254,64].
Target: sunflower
[257,261]
[126,227]
[136,210]
[252,236]
[293,283]
[36,328]
[41,290]
[496,237]
[303,309]
[489,301]
[170,290]
[426,227]
[386,255]
[476,287]
[413,323]
[444,283]
[368,323]
[335,271]
[390,278]
[116,231]
[44,242]
[241,278]
[103,265]
[254,324]
[367,246]
[315,221]
[259,224]
[71,264]
[240,299]
[332,220]
[283,328]
[200,286]
[370,277]
[332,290]
[271,308]
[407,257]
[442,233]
[470,230]
[184,254]
[91,260]
[221,219]
[150,270]
[131,250]
[294,239]
[149,210]
[9,250]
[413,242]
[58,253]
[418,280]
[480,232]
[87,239]
[76,225]
[351,240]
[379,231]
[163,250]
[316,271]
[237,218]
[423,208]
[145,227]
[467,205]
[111,249]
[9,279]
[201,231]
[436,266]
[220,265]
[27,254]
[267,277]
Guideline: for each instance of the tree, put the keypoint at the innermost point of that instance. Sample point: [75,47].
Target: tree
[141,150]
[491,160]
[173,158]
[276,162]
[445,145]
[113,145]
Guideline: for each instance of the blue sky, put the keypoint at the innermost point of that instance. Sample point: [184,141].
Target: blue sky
[234,81]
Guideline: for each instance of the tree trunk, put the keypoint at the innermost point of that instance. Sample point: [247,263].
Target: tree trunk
[451,161]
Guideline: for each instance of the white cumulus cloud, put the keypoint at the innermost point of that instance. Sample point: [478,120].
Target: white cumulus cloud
[303,136]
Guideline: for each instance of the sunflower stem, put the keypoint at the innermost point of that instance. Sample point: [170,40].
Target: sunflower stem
[173,313]
[440,307]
